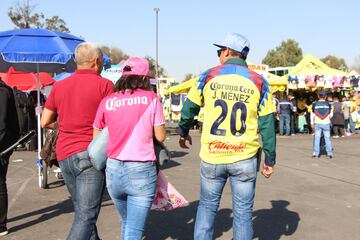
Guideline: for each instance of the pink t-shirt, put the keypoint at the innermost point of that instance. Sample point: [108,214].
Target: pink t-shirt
[130,119]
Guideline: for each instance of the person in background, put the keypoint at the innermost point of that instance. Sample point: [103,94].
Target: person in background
[9,134]
[353,108]
[322,113]
[285,109]
[73,102]
[237,103]
[133,116]
[346,110]
[293,119]
[338,120]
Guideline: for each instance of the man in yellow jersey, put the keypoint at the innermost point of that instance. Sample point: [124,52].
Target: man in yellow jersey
[237,104]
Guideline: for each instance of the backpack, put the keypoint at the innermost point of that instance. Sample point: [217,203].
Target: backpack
[25,109]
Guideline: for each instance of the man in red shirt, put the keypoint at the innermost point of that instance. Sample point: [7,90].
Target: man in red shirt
[74,102]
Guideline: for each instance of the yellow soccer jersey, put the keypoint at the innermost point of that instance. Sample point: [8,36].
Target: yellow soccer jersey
[233,97]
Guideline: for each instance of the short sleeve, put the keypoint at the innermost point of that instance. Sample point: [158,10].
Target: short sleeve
[109,88]
[50,101]
[159,114]
[99,122]
[266,105]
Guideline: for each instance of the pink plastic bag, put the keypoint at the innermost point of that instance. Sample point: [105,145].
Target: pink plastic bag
[167,197]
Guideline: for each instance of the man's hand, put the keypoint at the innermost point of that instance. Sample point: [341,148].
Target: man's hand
[267,171]
[182,141]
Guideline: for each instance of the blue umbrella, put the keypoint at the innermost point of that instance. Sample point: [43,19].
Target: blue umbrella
[35,50]
[54,51]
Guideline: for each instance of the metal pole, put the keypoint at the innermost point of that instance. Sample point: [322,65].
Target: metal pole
[39,143]
[157,50]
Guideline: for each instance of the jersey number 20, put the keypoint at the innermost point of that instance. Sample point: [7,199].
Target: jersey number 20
[215,130]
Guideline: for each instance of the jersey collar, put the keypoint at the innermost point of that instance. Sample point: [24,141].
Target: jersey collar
[237,61]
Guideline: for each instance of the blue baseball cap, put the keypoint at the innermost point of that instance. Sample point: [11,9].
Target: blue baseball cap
[236,42]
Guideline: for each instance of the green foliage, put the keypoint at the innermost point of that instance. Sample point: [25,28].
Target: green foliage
[57,24]
[116,55]
[334,62]
[188,76]
[356,65]
[162,72]
[22,16]
[286,55]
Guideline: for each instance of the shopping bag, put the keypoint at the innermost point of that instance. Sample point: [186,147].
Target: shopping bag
[97,150]
[167,197]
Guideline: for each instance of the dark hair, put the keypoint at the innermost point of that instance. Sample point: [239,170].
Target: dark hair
[234,53]
[132,82]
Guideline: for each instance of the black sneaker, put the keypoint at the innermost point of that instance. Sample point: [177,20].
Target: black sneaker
[330,157]
[3,231]
[315,156]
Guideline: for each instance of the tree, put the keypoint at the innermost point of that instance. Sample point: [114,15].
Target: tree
[23,16]
[57,24]
[115,54]
[188,76]
[162,72]
[334,62]
[356,65]
[287,54]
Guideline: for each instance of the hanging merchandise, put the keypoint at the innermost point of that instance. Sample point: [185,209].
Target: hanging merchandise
[336,82]
[328,82]
[302,84]
[310,81]
[320,83]
[346,82]
[293,81]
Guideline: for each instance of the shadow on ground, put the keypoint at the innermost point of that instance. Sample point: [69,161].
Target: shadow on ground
[49,212]
[179,223]
[271,224]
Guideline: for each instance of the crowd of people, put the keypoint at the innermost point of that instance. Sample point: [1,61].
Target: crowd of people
[295,112]
[238,108]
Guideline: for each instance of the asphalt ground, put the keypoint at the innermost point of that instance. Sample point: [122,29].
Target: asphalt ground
[306,198]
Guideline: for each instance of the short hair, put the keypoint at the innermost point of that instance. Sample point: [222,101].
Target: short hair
[234,53]
[87,51]
[132,82]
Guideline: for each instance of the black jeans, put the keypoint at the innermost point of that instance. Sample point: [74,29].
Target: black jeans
[3,193]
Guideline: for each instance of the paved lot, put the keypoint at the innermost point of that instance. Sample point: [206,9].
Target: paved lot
[306,198]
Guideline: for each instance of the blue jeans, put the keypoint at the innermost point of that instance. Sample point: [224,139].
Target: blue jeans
[86,186]
[322,128]
[284,119]
[242,175]
[131,186]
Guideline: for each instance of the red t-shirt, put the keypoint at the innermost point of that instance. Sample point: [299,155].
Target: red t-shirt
[75,100]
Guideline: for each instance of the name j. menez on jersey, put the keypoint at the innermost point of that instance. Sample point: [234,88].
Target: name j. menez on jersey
[231,92]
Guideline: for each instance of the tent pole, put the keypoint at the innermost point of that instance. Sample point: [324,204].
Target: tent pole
[38,110]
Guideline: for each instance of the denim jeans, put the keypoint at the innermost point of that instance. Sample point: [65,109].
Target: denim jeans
[284,119]
[132,187]
[3,193]
[325,129]
[86,186]
[242,175]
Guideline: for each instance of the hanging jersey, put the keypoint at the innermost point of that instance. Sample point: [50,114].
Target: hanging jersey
[233,98]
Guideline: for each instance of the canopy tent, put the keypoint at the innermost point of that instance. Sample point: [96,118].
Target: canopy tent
[277,84]
[26,81]
[310,65]
[353,73]
[182,87]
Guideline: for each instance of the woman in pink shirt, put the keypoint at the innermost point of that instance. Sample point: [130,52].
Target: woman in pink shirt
[134,116]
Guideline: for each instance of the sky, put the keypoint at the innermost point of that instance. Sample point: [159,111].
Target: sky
[188,28]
